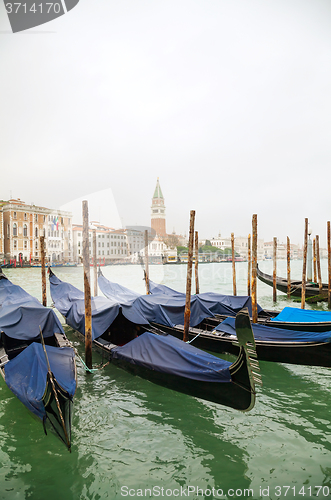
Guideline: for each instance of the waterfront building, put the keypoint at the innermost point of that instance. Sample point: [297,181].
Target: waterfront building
[111,243]
[23,224]
[240,245]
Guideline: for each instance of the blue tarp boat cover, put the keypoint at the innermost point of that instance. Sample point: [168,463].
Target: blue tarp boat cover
[26,374]
[21,314]
[170,355]
[158,288]
[296,315]
[69,301]
[166,306]
[14,294]
[269,333]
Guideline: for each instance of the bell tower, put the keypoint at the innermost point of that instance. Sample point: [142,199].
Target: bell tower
[158,216]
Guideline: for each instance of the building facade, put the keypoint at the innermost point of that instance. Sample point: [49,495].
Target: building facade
[111,244]
[22,226]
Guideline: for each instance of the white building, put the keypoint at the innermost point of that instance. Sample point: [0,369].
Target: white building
[111,244]
[240,245]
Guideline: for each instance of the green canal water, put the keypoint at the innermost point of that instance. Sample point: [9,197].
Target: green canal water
[133,439]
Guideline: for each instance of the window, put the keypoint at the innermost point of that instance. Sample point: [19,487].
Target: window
[25,217]
[25,245]
[14,229]
[15,244]
[25,230]
[15,215]
[36,217]
[36,232]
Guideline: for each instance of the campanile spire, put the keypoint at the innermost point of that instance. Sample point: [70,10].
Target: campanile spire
[158,215]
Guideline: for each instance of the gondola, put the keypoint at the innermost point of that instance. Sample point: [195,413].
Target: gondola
[290,318]
[36,360]
[312,291]
[215,332]
[123,334]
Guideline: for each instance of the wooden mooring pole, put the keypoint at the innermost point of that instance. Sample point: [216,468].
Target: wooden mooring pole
[95,264]
[196,263]
[318,262]
[304,268]
[329,264]
[274,276]
[254,266]
[314,260]
[187,312]
[146,262]
[87,289]
[249,265]
[288,268]
[233,265]
[43,271]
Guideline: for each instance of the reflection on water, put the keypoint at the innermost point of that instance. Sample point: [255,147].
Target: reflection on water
[130,432]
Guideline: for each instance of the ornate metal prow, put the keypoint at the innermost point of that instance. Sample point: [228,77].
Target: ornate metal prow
[247,342]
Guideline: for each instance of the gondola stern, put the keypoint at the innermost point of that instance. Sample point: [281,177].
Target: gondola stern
[245,370]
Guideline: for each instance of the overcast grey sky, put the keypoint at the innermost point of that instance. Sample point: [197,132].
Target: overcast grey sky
[228,102]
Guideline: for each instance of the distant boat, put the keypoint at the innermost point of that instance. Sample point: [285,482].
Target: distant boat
[312,289]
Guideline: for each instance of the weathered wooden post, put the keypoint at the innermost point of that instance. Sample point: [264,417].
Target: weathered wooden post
[233,265]
[304,268]
[329,265]
[319,274]
[87,289]
[95,264]
[274,275]
[196,264]
[146,263]
[254,267]
[249,265]
[187,312]
[314,260]
[309,257]
[288,268]
[43,270]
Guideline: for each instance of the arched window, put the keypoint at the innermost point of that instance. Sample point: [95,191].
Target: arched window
[25,230]
[15,229]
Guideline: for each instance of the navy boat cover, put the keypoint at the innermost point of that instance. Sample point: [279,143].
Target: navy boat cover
[269,333]
[296,315]
[26,374]
[166,306]
[170,355]
[21,314]
[69,301]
